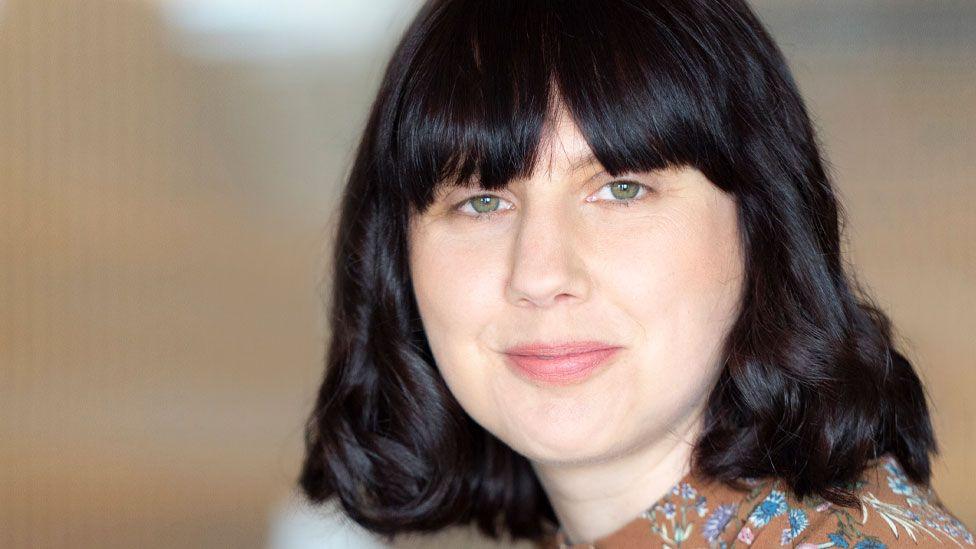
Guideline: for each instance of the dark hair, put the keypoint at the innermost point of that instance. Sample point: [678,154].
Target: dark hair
[812,387]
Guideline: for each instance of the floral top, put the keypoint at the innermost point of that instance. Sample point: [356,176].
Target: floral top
[696,512]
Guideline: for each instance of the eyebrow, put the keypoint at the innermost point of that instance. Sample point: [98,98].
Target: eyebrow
[586,160]
[583,161]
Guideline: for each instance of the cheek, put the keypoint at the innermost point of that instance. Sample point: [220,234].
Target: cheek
[684,285]
[455,288]
[690,261]
[454,284]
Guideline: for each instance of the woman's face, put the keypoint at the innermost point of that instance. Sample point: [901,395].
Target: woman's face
[563,259]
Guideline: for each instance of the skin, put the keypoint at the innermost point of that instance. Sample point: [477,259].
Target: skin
[563,259]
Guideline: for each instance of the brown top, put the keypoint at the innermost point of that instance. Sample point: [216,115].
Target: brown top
[702,513]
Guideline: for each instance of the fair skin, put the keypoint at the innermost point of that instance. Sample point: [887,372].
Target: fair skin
[562,258]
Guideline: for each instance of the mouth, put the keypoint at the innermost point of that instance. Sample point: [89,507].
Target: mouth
[563,364]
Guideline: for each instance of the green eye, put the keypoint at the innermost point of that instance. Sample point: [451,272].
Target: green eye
[483,207]
[484,204]
[627,189]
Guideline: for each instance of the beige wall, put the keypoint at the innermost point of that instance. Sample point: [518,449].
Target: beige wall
[165,219]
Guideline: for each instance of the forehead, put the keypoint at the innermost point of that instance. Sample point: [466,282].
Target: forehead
[563,148]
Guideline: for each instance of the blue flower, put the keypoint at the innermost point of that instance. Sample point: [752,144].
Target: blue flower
[773,505]
[870,543]
[893,469]
[899,486]
[717,521]
[839,540]
[798,521]
[701,506]
[687,491]
[669,510]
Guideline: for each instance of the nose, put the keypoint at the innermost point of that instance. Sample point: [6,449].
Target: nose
[547,268]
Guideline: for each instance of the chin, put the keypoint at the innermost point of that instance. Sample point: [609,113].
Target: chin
[568,456]
[574,442]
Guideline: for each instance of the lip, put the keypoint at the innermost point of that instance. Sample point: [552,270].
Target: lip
[562,363]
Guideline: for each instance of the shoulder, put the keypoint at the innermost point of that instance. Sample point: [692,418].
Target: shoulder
[894,511]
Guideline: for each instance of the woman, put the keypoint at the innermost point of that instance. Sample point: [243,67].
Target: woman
[589,292]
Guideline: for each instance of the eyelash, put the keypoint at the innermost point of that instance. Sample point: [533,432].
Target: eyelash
[622,203]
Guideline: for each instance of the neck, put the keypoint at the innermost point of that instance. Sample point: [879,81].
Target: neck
[595,498]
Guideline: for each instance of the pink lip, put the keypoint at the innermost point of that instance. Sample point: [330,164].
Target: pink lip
[560,364]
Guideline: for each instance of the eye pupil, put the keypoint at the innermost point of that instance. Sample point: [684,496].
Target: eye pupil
[482,201]
[629,189]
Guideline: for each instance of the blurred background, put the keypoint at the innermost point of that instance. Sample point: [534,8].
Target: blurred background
[168,181]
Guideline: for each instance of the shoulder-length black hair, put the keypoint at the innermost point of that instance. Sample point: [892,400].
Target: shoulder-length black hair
[812,387]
